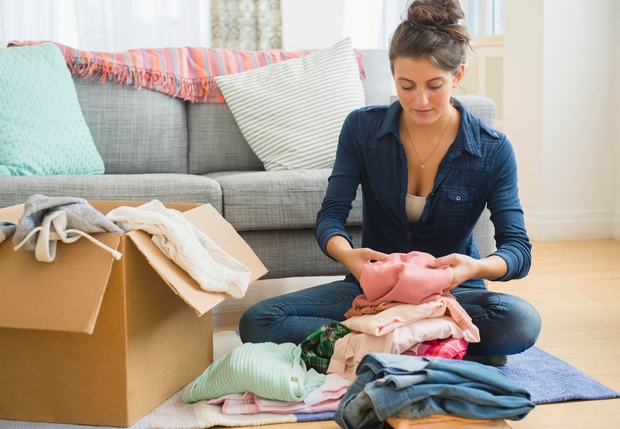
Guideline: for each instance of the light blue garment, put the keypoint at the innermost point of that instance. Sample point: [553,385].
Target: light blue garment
[390,385]
[6,229]
[80,216]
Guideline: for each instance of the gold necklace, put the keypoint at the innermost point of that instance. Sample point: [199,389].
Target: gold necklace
[423,164]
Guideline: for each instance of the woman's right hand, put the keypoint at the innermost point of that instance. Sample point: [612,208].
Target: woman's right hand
[353,259]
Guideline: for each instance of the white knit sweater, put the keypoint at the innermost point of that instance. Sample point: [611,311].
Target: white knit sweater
[186,245]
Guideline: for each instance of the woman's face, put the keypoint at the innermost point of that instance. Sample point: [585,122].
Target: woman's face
[424,90]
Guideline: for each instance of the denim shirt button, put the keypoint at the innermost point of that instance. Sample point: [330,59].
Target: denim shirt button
[423,219]
[458,198]
[409,234]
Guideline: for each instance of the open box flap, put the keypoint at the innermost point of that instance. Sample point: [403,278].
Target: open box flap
[12,213]
[209,221]
[63,295]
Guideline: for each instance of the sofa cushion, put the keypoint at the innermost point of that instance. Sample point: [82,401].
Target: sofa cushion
[120,187]
[295,253]
[136,131]
[291,112]
[42,129]
[378,82]
[266,200]
[215,141]
[481,107]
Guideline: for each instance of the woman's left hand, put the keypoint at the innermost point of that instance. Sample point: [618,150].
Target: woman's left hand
[463,267]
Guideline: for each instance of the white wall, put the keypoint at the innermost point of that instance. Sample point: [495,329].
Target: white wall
[560,112]
[311,23]
[616,224]
[561,105]
[322,23]
[523,83]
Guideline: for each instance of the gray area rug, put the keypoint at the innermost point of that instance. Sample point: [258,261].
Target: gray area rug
[550,379]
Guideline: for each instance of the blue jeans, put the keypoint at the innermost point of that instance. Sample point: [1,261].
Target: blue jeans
[416,387]
[508,324]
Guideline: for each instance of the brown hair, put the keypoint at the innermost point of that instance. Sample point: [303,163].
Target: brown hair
[431,30]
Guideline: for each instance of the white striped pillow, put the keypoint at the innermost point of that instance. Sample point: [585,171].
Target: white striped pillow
[291,112]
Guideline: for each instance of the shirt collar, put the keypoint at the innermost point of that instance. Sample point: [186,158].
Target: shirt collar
[470,127]
[390,122]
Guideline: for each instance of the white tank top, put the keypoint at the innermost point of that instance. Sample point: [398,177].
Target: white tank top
[414,206]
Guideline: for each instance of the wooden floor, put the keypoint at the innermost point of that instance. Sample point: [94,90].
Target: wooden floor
[576,288]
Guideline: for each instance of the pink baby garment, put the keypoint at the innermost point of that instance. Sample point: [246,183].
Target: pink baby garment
[326,397]
[448,348]
[388,320]
[350,349]
[403,277]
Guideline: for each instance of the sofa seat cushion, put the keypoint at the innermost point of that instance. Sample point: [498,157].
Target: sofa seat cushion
[120,187]
[286,199]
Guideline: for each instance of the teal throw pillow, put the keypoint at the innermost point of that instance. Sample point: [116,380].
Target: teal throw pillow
[42,128]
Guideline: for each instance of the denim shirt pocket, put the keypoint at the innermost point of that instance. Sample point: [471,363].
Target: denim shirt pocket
[454,207]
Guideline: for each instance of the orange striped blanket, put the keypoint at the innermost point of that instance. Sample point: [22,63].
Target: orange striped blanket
[186,72]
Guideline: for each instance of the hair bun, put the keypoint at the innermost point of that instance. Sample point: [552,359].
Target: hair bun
[438,15]
[434,14]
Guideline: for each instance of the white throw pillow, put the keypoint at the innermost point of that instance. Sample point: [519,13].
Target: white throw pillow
[291,112]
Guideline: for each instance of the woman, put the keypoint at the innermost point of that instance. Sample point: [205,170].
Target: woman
[427,168]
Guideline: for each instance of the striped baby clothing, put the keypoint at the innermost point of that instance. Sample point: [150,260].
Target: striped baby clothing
[269,370]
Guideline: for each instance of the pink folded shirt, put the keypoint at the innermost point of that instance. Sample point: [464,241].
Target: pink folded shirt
[326,397]
[351,349]
[403,277]
[448,348]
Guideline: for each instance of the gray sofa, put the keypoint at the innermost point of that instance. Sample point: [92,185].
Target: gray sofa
[159,147]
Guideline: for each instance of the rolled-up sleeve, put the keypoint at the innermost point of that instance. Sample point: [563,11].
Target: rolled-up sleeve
[512,241]
[341,187]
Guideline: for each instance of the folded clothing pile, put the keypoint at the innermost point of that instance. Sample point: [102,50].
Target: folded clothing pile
[396,386]
[244,384]
[405,308]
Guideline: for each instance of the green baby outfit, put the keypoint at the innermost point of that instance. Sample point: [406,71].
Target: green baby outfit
[269,370]
[318,348]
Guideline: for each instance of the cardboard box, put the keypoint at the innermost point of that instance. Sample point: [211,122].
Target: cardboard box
[87,339]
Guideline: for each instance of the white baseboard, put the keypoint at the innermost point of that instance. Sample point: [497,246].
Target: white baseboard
[572,225]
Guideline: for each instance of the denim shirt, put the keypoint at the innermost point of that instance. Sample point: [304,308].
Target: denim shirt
[478,170]
[391,385]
